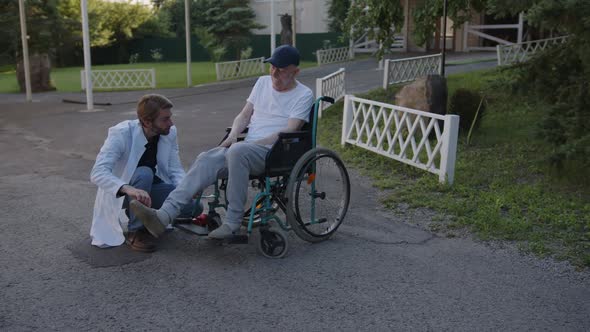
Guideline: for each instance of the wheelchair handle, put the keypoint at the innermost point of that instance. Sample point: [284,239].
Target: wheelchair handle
[327,99]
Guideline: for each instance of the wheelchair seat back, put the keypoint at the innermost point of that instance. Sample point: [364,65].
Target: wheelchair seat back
[289,148]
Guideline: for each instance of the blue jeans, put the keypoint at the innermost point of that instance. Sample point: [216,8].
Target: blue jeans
[143,178]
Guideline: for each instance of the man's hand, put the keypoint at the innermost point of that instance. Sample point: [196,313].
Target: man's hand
[228,141]
[138,194]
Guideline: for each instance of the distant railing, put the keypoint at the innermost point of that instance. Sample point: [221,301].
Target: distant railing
[520,52]
[331,86]
[332,55]
[410,136]
[120,79]
[409,69]
[238,69]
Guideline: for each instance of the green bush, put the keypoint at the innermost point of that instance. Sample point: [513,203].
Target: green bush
[559,77]
[465,103]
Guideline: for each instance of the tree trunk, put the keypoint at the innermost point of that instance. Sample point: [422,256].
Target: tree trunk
[40,73]
[286,33]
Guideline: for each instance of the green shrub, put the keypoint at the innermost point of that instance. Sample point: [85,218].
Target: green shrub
[559,77]
[465,103]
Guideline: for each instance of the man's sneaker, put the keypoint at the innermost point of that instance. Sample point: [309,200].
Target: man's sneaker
[223,232]
[148,218]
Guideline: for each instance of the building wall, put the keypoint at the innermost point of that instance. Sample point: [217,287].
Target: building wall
[311,16]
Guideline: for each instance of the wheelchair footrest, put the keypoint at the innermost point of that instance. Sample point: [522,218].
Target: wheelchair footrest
[193,229]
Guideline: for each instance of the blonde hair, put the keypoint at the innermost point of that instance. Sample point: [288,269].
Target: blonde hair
[150,105]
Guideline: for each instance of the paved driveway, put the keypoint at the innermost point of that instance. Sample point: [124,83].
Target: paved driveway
[379,272]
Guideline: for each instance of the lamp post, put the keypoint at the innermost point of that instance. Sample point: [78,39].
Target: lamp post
[293,25]
[187,23]
[23,32]
[87,60]
[273,42]
[444,35]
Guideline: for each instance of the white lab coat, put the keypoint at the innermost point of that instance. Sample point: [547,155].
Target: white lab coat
[115,164]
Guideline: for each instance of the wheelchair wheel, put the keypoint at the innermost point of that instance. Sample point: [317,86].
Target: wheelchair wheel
[273,242]
[318,194]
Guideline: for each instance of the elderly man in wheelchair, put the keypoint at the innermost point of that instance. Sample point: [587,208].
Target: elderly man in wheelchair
[309,185]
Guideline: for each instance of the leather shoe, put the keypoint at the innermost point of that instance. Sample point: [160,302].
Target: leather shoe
[141,241]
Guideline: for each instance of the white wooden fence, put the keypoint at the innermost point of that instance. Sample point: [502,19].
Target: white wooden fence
[238,69]
[511,54]
[477,30]
[365,45]
[120,79]
[420,139]
[331,86]
[332,55]
[408,69]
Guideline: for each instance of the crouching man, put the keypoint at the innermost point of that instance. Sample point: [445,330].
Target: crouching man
[138,161]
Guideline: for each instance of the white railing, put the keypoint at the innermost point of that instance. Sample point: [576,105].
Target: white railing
[331,86]
[238,69]
[332,55]
[365,45]
[475,30]
[410,136]
[511,54]
[120,79]
[409,69]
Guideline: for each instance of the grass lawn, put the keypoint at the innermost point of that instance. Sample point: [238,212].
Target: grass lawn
[168,75]
[504,186]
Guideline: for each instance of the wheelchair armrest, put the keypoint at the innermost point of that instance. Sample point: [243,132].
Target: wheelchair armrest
[286,151]
[228,130]
[293,134]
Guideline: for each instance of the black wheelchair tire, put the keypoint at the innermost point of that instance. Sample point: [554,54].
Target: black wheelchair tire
[294,215]
[271,238]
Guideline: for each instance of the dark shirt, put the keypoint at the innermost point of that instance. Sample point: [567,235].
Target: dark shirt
[148,158]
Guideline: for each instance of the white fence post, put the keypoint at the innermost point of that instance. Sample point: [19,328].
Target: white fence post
[386,75]
[424,140]
[408,69]
[318,93]
[514,53]
[120,78]
[346,119]
[332,85]
[240,68]
[449,149]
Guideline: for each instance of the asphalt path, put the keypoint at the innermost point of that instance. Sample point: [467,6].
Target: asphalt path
[381,271]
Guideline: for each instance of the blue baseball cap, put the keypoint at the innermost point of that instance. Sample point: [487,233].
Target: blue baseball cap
[284,56]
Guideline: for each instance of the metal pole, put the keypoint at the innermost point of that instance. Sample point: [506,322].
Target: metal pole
[444,34]
[87,60]
[273,43]
[23,32]
[293,25]
[187,21]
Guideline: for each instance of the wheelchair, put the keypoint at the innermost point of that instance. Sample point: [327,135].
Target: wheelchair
[308,184]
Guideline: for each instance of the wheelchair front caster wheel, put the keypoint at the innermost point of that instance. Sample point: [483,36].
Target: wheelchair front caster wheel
[273,243]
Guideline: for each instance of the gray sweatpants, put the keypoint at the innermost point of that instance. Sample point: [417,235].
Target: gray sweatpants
[236,163]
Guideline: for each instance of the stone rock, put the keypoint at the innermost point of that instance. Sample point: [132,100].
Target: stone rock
[40,73]
[428,94]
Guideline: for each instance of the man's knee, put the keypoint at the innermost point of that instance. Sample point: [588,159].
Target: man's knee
[236,152]
[143,173]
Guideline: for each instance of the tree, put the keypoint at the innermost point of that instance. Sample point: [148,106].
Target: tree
[230,21]
[337,11]
[380,19]
[430,11]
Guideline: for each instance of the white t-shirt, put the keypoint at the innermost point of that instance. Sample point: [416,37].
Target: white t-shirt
[273,109]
